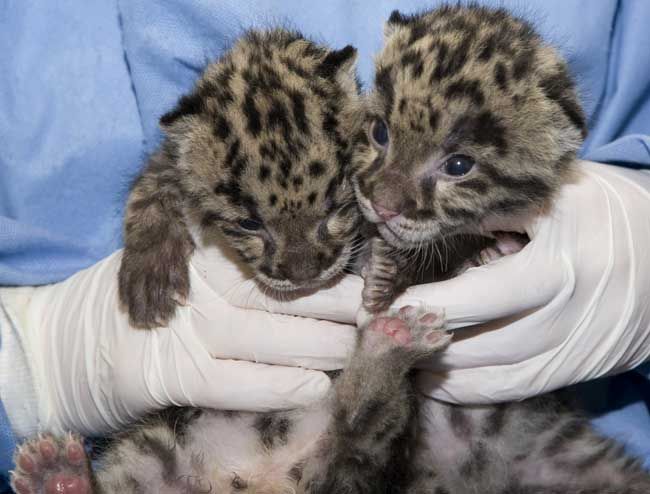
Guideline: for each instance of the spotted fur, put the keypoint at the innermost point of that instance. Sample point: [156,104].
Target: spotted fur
[473,82]
[355,441]
[477,82]
[257,153]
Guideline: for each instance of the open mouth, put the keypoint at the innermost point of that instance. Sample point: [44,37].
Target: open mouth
[288,286]
[399,232]
[405,235]
[396,231]
[404,238]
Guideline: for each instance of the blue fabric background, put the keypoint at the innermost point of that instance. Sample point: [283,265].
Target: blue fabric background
[85,81]
[70,137]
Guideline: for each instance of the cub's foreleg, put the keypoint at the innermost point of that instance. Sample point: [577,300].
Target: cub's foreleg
[374,411]
[154,274]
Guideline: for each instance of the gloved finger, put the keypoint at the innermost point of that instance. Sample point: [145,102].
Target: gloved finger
[229,332]
[508,286]
[338,303]
[479,386]
[247,386]
[500,381]
[522,366]
[258,336]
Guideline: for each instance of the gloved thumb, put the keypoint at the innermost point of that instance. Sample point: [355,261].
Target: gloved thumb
[511,285]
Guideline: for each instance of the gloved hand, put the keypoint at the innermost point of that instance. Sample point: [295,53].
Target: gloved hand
[570,307]
[573,305]
[95,374]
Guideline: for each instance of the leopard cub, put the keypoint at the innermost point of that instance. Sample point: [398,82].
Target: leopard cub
[472,124]
[258,154]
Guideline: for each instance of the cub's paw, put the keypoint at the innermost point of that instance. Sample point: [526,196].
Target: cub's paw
[380,285]
[50,465]
[419,331]
[151,286]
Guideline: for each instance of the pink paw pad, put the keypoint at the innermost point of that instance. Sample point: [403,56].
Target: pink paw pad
[408,311]
[428,318]
[417,330]
[50,465]
[67,484]
[393,327]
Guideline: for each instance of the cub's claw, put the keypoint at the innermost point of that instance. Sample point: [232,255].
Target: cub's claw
[149,293]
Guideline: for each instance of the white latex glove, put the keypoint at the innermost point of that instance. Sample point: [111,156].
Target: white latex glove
[573,305]
[94,373]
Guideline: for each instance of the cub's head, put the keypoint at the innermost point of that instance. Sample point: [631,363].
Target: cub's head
[263,146]
[472,117]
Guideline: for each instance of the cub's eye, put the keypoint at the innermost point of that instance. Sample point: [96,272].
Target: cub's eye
[250,224]
[379,132]
[458,165]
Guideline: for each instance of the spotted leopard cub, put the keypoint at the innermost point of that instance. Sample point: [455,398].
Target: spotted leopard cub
[473,123]
[257,153]
[355,441]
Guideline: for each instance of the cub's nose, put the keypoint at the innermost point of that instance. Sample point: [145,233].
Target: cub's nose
[383,212]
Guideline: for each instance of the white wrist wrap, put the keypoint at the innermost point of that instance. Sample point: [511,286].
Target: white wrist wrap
[17,384]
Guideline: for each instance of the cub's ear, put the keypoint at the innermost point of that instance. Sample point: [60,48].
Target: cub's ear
[394,22]
[341,66]
[191,104]
[396,17]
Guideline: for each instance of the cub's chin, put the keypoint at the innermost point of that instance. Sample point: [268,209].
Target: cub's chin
[286,289]
[404,237]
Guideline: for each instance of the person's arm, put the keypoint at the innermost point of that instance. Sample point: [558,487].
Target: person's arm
[94,373]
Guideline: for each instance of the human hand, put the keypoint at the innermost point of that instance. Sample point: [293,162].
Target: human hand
[571,306]
[94,373]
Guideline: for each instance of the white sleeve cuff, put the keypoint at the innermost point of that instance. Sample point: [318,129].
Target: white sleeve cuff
[17,387]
